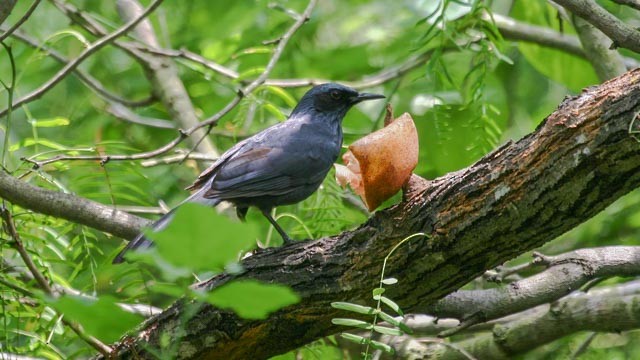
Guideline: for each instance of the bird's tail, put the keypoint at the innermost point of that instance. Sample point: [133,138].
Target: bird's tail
[142,242]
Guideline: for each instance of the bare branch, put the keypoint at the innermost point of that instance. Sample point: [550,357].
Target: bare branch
[212,120]
[623,35]
[566,273]
[163,75]
[584,312]
[70,207]
[24,18]
[91,82]
[97,45]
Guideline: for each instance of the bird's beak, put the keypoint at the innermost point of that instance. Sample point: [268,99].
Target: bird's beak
[366,96]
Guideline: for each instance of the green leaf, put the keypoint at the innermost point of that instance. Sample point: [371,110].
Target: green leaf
[102,318]
[200,239]
[282,94]
[274,111]
[355,338]
[390,281]
[378,292]
[353,307]
[252,299]
[387,331]
[52,122]
[31,141]
[352,322]
[390,303]
[384,347]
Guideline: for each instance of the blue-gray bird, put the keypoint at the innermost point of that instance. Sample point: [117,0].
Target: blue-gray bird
[281,165]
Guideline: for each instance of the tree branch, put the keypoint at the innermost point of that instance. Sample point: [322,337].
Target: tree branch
[97,45]
[623,35]
[5,9]
[21,21]
[212,120]
[70,207]
[166,83]
[635,4]
[91,82]
[516,30]
[565,274]
[586,312]
[523,194]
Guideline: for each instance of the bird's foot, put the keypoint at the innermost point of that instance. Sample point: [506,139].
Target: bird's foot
[286,240]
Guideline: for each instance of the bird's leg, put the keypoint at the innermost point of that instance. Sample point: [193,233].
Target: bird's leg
[242,213]
[267,213]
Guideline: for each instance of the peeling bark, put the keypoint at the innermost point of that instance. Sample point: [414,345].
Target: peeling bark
[578,161]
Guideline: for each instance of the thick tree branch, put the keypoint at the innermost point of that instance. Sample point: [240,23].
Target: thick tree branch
[566,273]
[523,194]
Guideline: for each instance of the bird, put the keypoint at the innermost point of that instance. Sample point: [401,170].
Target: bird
[281,165]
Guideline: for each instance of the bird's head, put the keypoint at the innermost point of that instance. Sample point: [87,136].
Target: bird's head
[332,98]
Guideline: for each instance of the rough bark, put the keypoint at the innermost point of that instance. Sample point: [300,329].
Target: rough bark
[578,161]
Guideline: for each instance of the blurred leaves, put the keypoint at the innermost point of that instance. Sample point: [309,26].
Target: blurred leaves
[101,318]
[199,239]
[570,70]
[251,299]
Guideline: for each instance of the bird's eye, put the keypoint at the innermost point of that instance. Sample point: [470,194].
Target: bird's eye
[335,94]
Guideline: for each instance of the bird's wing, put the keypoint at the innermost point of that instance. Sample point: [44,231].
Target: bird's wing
[265,171]
[206,175]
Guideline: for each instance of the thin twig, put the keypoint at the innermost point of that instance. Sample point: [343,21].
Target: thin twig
[10,228]
[584,346]
[43,283]
[91,82]
[124,113]
[97,45]
[21,20]
[176,158]
[211,121]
